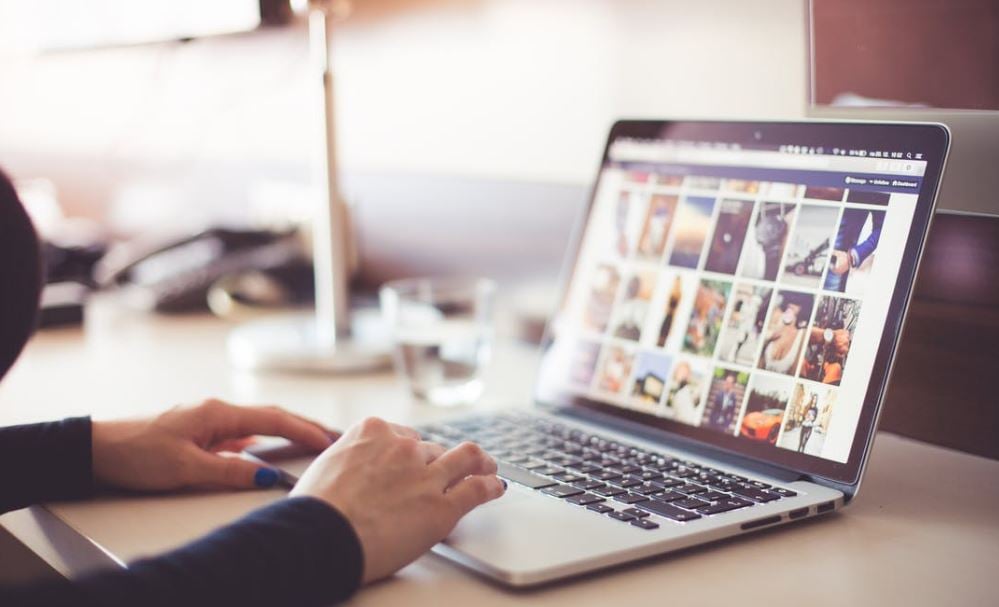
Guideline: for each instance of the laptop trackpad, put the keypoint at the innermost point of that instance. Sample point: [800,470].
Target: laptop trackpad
[524,531]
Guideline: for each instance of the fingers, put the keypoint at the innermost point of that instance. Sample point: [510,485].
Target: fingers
[474,491]
[463,460]
[431,451]
[231,421]
[208,469]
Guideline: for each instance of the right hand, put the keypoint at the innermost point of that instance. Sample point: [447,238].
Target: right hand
[402,495]
[840,263]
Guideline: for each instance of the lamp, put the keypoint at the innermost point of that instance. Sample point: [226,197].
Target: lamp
[333,338]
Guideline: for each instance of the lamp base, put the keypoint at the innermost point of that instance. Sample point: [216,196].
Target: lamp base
[291,343]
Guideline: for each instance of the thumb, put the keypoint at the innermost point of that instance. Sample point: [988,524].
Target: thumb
[233,472]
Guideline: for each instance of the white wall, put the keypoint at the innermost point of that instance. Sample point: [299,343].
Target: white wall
[520,89]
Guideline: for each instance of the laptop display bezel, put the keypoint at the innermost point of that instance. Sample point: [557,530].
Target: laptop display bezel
[932,140]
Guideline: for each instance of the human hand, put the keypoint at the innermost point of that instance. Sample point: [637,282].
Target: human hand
[181,447]
[401,495]
[840,263]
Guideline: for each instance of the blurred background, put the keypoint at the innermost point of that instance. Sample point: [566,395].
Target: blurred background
[467,125]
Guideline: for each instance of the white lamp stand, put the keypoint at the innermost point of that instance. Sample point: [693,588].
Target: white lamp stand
[332,339]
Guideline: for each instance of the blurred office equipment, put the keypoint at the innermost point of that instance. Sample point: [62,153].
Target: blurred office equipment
[932,60]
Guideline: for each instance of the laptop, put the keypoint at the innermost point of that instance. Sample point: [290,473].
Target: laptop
[733,300]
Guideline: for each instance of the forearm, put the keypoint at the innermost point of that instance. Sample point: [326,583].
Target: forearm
[43,462]
[296,552]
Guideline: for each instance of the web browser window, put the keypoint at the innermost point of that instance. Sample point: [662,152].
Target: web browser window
[742,291]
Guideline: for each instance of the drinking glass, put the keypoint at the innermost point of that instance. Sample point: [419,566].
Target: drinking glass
[443,332]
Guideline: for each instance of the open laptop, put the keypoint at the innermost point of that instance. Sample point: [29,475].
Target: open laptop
[734,298]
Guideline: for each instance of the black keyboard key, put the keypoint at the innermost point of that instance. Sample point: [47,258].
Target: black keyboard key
[585,468]
[733,503]
[599,507]
[568,477]
[760,484]
[534,464]
[635,512]
[669,511]
[548,470]
[628,482]
[621,516]
[608,491]
[585,499]
[782,492]
[588,485]
[670,482]
[687,504]
[649,488]
[649,475]
[562,490]
[644,524]
[712,496]
[753,493]
[522,477]
[629,469]
[684,472]
[670,496]
[604,475]
[630,498]
[690,489]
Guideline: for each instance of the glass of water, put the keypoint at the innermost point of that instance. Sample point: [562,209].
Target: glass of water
[443,332]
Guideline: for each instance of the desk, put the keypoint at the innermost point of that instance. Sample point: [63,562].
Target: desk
[922,532]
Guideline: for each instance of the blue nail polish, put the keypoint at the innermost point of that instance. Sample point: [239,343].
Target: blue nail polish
[504,484]
[266,478]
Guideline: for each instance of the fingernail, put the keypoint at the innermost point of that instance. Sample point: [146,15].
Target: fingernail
[503,482]
[266,478]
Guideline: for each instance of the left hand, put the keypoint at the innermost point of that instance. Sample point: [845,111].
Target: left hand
[181,447]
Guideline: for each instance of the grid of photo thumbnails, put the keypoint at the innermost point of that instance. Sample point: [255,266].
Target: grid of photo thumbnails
[727,304]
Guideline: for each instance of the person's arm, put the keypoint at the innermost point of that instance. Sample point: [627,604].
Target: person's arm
[298,551]
[863,250]
[374,501]
[44,462]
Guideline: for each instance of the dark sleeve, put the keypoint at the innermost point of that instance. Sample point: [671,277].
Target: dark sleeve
[45,462]
[296,552]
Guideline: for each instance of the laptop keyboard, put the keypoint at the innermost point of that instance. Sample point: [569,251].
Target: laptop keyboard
[622,481]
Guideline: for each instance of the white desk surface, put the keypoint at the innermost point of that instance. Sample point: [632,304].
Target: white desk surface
[923,530]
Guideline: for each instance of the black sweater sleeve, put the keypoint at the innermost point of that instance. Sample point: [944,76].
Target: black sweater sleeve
[45,462]
[297,551]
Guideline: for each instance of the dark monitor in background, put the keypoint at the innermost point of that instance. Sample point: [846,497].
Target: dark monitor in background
[926,60]
[932,60]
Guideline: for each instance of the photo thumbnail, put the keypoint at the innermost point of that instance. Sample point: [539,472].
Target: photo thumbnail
[583,363]
[806,421]
[651,374]
[810,246]
[730,233]
[673,181]
[741,186]
[782,191]
[630,312]
[742,331]
[706,317]
[629,207]
[656,225]
[829,340]
[864,197]
[695,182]
[853,251]
[615,369]
[728,389]
[786,332]
[765,406]
[673,297]
[765,248]
[685,401]
[824,193]
[603,290]
[693,220]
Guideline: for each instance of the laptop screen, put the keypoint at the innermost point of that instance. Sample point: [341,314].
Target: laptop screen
[736,284]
